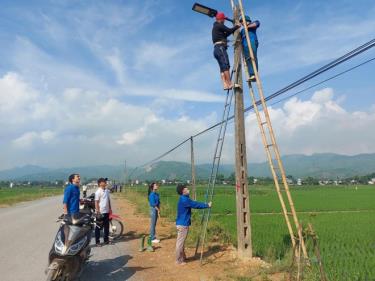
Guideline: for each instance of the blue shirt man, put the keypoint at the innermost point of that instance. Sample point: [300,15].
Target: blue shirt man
[184,206]
[71,195]
[252,29]
[183,220]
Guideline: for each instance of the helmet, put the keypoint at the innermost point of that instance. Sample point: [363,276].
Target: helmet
[247,19]
[220,16]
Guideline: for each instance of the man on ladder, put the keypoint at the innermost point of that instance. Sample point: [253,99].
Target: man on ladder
[220,33]
[251,27]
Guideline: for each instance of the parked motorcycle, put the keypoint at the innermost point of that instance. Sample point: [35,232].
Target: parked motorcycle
[116,227]
[71,248]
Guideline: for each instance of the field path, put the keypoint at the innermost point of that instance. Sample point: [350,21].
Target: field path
[303,212]
[27,231]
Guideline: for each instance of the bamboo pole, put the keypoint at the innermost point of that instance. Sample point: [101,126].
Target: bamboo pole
[273,140]
[193,186]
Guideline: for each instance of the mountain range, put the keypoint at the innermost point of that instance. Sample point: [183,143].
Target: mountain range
[324,165]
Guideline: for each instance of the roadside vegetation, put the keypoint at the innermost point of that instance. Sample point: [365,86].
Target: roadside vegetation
[343,218]
[9,196]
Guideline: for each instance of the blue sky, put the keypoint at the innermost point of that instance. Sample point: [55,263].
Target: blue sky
[129,79]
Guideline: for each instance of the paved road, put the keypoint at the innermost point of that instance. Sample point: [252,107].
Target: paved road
[26,234]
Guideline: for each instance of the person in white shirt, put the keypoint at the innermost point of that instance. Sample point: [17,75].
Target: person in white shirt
[102,208]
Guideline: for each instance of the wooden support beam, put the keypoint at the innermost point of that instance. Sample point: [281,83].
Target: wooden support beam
[193,186]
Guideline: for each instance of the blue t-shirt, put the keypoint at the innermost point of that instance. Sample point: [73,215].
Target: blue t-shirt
[184,209]
[71,198]
[153,199]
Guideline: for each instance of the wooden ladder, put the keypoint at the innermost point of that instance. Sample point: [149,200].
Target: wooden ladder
[273,154]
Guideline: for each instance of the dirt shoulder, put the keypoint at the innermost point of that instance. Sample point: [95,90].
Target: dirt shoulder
[220,264]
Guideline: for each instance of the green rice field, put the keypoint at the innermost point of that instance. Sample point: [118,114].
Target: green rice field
[10,196]
[343,218]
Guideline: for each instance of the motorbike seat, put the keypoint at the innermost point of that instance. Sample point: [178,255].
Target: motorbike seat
[77,219]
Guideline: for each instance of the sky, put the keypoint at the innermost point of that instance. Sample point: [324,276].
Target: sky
[101,82]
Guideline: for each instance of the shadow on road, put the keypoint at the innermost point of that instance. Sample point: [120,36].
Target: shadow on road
[110,270]
[130,235]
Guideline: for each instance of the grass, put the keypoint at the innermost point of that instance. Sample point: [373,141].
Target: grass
[343,217]
[15,195]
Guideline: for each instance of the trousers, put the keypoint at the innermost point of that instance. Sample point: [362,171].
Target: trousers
[182,232]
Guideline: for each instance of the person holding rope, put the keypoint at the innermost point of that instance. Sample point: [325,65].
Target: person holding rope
[252,29]
[220,33]
[183,220]
[154,202]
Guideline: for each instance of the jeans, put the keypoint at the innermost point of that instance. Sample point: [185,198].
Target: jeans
[105,227]
[254,46]
[154,219]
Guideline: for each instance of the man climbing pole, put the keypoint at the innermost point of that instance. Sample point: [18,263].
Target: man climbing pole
[252,28]
[220,33]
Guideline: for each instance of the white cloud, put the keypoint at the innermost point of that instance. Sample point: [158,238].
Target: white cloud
[317,125]
[28,138]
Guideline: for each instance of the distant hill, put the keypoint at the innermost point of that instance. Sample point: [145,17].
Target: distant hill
[19,172]
[44,174]
[325,165]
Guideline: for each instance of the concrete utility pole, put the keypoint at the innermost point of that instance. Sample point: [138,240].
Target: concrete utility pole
[242,192]
[193,187]
[125,173]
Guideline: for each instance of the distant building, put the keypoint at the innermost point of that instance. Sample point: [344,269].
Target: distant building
[255,181]
[299,182]
[11,185]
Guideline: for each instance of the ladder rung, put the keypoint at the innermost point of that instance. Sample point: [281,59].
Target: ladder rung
[269,145]
[263,123]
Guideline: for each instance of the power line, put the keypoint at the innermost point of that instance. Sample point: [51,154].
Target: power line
[355,52]
[325,80]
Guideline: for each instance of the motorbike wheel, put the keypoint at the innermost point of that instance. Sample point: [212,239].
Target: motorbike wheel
[116,228]
[53,272]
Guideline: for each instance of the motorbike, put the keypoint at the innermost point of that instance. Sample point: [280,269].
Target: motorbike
[116,227]
[71,248]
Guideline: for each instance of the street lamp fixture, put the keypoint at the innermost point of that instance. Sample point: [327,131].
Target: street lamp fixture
[204,10]
[199,8]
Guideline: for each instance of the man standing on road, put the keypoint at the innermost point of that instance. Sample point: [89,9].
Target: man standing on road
[102,208]
[183,221]
[71,195]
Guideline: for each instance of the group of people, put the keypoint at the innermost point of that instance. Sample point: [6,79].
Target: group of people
[220,34]
[102,204]
[103,209]
[183,219]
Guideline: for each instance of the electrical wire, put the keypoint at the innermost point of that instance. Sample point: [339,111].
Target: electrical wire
[355,52]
